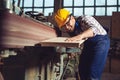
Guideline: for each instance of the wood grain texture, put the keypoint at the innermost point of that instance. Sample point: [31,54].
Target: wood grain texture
[17,32]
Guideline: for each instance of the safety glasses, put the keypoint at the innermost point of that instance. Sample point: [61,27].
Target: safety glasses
[64,29]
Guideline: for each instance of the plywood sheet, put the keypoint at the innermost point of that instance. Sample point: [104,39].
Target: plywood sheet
[60,41]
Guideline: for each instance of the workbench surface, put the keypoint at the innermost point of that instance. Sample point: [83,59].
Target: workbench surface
[60,41]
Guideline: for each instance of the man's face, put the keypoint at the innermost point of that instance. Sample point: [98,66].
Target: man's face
[69,24]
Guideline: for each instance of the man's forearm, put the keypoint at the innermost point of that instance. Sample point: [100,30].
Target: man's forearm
[88,33]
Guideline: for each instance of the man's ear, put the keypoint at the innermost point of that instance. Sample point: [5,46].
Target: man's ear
[72,17]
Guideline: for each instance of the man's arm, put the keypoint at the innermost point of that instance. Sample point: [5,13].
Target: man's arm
[86,34]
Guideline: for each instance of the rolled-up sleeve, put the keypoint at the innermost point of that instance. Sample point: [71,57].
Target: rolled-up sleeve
[91,22]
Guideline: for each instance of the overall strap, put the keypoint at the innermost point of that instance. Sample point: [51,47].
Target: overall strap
[78,21]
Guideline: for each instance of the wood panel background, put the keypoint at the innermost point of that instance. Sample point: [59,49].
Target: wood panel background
[115,28]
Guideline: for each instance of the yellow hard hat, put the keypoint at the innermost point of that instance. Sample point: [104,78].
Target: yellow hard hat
[61,16]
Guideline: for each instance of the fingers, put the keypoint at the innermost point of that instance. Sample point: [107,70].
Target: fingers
[75,38]
[71,39]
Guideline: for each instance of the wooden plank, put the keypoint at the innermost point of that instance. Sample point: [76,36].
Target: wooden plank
[60,41]
[17,32]
[115,29]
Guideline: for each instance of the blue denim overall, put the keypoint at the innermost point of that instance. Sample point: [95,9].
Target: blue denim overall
[93,56]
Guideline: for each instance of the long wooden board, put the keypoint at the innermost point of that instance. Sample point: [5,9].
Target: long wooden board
[17,32]
[60,41]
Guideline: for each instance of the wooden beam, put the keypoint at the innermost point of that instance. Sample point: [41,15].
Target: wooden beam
[17,32]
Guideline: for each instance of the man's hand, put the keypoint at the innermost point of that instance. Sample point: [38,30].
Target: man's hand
[75,38]
[84,35]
